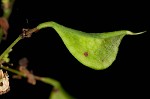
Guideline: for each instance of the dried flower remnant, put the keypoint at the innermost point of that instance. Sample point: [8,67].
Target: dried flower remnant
[24,33]
[4,82]
[27,33]
[23,63]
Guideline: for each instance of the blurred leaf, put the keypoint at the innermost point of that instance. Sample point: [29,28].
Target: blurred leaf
[95,50]
[58,92]
[1,35]
[4,26]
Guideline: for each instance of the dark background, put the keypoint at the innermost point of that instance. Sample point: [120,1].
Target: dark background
[127,77]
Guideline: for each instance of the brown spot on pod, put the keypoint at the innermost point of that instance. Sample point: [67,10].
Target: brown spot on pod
[86,54]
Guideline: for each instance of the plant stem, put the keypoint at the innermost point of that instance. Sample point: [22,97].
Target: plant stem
[10,47]
[28,34]
[49,81]
[13,71]
[46,80]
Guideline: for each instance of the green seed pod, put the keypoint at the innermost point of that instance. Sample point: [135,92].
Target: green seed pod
[95,50]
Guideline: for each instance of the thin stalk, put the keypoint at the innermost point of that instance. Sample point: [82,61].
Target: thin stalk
[10,47]
[46,80]
[49,81]
[26,34]
[13,71]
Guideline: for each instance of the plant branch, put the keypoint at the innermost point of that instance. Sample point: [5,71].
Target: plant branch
[13,71]
[9,48]
[46,80]
[49,81]
[23,35]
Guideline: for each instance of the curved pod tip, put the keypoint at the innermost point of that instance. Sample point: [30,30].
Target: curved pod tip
[131,33]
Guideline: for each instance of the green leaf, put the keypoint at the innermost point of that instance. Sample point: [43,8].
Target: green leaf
[95,50]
